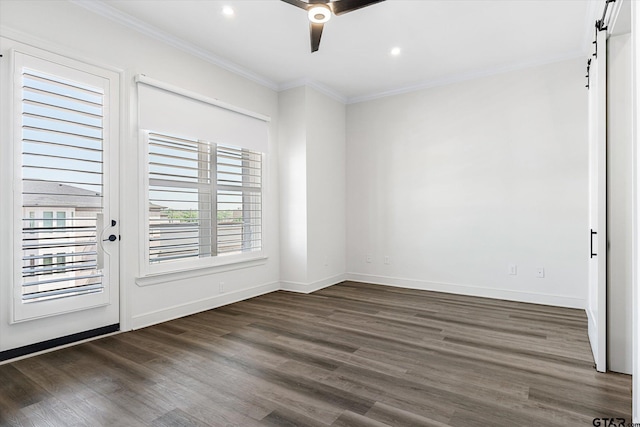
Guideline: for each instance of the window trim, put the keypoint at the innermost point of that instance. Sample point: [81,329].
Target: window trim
[189,273]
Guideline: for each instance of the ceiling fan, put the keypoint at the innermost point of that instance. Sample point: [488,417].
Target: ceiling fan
[320,11]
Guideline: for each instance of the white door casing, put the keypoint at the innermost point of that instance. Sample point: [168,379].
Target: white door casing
[596,301]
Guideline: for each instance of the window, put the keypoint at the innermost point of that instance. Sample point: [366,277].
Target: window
[204,171]
[32,220]
[47,262]
[238,200]
[48,219]
[205,199]
[61,261]
[61,219]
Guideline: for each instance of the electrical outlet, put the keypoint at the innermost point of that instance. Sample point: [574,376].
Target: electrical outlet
[221,287]
[513,269]
[368,259]
[387,261]
[540,272]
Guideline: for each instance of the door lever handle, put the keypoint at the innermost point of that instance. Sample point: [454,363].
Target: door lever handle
[101,230]
[591,242]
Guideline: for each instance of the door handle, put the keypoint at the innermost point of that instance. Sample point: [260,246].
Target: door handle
[591,243]
[112,238]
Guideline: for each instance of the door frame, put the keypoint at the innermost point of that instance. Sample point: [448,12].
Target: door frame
[635,141]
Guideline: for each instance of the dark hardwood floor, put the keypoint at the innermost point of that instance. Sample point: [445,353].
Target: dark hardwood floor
[349,355]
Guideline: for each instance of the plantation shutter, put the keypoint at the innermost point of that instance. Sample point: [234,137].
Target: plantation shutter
[239,200]
[180,198]
[62,136]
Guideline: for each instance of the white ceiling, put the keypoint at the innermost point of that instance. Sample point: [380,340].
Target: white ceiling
[441,40]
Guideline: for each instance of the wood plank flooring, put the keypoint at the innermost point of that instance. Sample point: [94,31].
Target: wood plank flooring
[349,355]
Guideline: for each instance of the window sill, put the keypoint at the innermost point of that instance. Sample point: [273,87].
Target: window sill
[156,279]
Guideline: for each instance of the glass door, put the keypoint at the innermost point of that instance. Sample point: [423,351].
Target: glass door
[66,238]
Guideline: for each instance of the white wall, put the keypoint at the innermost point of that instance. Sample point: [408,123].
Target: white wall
[292,136]
[619,236]
[70,30]
[326,169]
[312,189]
[455,183]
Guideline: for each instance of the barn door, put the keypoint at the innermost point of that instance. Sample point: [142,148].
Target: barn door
[597,298]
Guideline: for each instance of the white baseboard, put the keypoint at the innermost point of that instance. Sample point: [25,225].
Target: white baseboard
[307,288]
[591,318]
[504,294]
[181,310]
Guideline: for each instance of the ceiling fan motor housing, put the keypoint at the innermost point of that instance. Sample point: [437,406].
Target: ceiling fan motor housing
[320,12]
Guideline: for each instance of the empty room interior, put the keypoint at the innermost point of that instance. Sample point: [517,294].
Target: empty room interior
[319,213]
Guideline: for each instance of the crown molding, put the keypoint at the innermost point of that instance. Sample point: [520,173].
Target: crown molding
[319,87]
[457,78]
[594,8]
[101,8]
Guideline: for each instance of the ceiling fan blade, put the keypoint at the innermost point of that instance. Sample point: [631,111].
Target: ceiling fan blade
[316,32]
[344,6]
[297,3]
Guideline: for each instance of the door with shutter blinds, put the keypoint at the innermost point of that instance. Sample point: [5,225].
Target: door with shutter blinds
[66,240]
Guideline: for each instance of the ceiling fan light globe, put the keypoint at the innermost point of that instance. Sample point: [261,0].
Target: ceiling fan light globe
[319,14]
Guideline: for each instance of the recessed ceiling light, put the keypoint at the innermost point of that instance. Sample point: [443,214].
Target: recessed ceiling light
[396,51]
[228,11]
